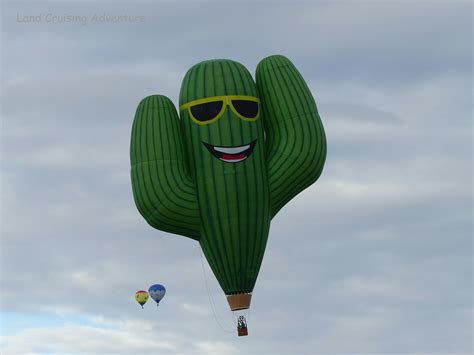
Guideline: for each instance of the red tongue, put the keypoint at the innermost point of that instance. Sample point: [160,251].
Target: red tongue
[233,156]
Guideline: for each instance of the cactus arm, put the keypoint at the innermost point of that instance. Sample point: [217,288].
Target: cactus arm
[162,187]
[295,139]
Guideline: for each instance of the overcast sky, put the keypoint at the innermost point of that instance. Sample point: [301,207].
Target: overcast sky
[376,257]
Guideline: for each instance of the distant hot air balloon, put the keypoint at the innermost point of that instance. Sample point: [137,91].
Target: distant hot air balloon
[157,292]
[141,297]
[239,151]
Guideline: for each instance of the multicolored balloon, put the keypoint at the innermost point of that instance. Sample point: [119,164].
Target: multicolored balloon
[157,292]
[239,151]
[141,297]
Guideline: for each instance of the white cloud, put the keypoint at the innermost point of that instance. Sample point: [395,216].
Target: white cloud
[375,257]
[129,337]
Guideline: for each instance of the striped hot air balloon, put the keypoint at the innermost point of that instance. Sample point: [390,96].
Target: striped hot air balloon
[238,152]
[141,297]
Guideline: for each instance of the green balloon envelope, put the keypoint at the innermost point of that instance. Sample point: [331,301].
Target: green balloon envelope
[233,196]
[238,153]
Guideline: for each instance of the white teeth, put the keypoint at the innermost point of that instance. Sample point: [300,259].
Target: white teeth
[232,150]
[233,160]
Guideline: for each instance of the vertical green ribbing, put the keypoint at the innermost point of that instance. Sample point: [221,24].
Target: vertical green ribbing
[162,188]
[296,149]
[233,197]
[180,187]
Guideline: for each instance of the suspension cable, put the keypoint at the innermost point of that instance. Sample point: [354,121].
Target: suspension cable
[211,300]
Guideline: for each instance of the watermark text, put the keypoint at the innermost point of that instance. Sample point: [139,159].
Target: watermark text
[96,18]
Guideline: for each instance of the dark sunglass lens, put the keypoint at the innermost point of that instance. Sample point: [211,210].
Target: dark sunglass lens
[248,109]
[207,111]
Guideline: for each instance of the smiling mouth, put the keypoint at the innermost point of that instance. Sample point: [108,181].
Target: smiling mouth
[231,154]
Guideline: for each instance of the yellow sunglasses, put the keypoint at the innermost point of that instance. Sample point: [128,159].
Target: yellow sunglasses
[210,109]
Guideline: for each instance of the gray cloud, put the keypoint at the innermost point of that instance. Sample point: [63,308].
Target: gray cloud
[376,257]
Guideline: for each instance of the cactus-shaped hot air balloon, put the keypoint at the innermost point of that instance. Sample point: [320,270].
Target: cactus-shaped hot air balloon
[238,152]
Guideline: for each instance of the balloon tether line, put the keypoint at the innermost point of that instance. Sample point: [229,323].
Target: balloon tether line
[211,300]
